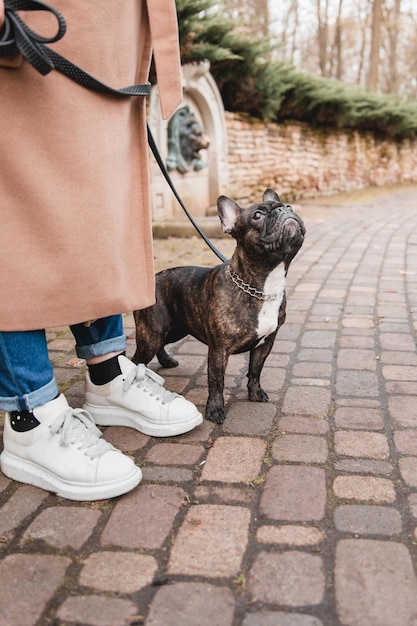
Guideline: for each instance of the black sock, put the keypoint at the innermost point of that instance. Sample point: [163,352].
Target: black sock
[104,372]
[22,421]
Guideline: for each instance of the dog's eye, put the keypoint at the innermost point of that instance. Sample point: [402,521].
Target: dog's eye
[258,215]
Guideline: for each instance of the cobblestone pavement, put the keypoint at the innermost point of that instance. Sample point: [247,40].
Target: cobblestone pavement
[299,512]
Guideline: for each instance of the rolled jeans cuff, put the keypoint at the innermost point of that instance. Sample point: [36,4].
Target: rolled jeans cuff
[114,344]
[32,399]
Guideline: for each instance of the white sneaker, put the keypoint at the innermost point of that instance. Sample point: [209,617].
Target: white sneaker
[138,399]
[64,454]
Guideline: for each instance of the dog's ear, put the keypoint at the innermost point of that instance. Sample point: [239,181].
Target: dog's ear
[228,212]
[270,196]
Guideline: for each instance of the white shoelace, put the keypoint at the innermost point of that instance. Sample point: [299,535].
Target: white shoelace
[76,426]
[150,382]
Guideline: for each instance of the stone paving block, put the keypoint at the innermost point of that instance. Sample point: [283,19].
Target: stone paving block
[412,503]
[360,321]
[364,466]
[22,503]
[408,470]
[290,330]
[277,618]
[366,403]
[406,441]
[403,410]
[367,519]
[201,433]
[176,384]
[300,448]
[234,460]
[174,454]
[249,418]
[401,387]
[290,535]
[144,517]
[4,481]
[294,493]
[306,401]
[375,583]
[359,418]
[95,610]
[312,382]
[398,358]
[125,439]
[189,604]
[361,444]
[160,474]
[356,359]
[219,494]
[339,294]
[312,370]
[28,582]
[367,488]
[399,372]
[272,378]
[315,354]
[318,339]
[356,383]
[288,579]
[118,572]
[63,526]
[397,341]
[198,395]
[356,341]
[211,541]
[303,425]
[188,366]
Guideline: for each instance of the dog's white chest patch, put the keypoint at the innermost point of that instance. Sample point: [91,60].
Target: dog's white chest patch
[268,315]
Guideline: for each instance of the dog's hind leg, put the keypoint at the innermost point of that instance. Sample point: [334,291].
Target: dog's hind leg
[165,359]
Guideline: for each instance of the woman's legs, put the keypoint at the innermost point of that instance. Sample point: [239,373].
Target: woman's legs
[26,374]
[50,445]
[46,443]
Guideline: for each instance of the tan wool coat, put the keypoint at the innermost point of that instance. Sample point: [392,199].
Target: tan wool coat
[75,220]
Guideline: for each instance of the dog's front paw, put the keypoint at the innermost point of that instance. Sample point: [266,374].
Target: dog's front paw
[215,413]
[258,395]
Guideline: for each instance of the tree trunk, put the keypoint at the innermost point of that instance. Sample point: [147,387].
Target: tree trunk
[322,35]
[393,31]
[375,43]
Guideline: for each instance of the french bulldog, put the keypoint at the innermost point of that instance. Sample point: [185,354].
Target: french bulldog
[235,307]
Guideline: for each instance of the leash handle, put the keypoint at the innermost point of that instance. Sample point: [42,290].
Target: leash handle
[16,36]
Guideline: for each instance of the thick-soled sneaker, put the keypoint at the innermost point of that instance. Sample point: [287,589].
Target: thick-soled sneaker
[64,454]
[137,398]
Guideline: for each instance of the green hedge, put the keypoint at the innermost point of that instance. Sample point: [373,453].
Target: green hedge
[250,83]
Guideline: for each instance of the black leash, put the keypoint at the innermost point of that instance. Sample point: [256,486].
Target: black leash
[16,37]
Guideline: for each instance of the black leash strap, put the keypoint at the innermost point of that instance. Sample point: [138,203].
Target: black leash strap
[16,36]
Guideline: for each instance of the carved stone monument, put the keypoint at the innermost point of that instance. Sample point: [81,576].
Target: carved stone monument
[193,144]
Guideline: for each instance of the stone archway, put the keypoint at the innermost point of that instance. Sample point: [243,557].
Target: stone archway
[200,187]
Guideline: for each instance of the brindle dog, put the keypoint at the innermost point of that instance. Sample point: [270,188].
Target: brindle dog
[235,307]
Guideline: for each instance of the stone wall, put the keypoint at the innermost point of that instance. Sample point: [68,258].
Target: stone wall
[298,161]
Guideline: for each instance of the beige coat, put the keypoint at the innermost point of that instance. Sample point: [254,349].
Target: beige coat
[75,221]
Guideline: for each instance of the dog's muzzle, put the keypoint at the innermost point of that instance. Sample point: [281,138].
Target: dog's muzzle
[283,226]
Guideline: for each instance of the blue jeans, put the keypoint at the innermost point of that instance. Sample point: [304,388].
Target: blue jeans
[26,374]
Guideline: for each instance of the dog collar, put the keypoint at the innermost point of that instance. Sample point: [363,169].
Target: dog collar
[251,291]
